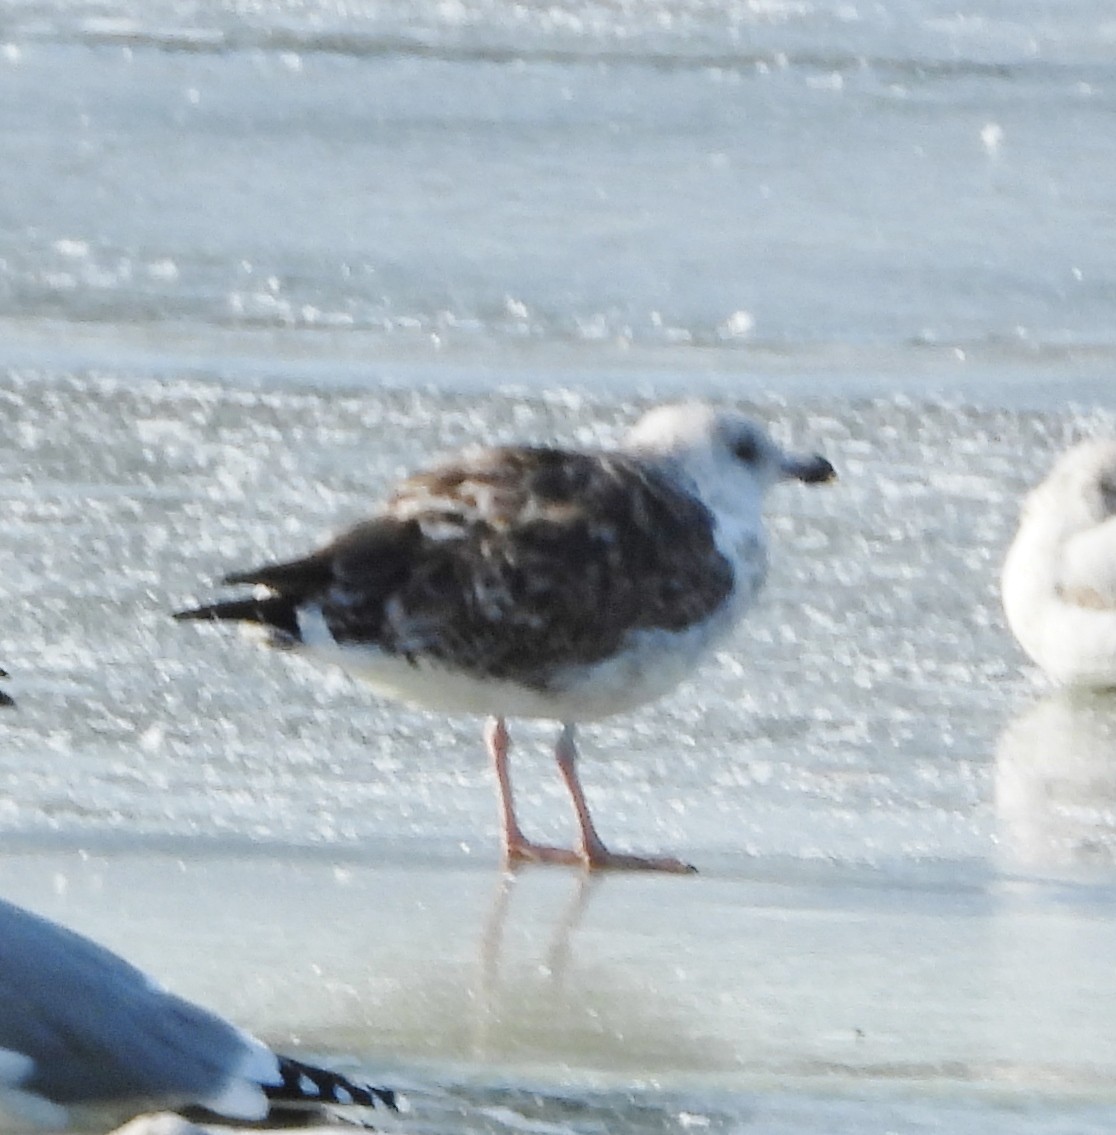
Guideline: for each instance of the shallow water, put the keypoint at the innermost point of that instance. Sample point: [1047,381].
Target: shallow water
[257,260]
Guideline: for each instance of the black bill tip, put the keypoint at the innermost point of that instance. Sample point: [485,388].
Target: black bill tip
[814,470]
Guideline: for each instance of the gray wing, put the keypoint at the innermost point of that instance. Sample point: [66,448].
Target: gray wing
[98,1029]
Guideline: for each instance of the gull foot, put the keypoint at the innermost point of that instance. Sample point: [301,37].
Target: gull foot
[596,859]
[604,860]
[523,851]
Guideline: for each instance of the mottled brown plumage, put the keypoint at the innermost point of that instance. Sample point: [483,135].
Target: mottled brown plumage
[545,559]
[510,565]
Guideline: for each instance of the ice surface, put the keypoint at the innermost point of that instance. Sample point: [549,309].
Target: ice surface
[258,259]
[839,997]
[852,718]
[901,913]
[634,175]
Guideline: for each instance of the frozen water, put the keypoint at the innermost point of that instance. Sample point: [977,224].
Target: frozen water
[841,737]
[900,913]
[257,260]
[852,176]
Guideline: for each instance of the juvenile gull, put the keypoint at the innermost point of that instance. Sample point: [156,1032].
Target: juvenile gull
[539,582]
[81,1027]
[1059,578]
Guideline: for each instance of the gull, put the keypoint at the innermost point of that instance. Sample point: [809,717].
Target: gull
[4,698]
[81,1027]
[542,582]
[1059,577]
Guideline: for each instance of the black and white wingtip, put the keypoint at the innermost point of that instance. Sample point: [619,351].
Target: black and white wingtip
[268,1089]
[304,1086]
[4,698]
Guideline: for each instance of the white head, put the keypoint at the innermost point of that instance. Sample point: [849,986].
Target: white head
[728,459]
[711,445]
[1080,490]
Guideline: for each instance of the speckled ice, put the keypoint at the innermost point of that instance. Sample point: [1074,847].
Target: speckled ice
[257,259]
[820,733]
[837,773]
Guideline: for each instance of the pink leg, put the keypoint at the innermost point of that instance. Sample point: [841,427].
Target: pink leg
[517,847]
[594,854]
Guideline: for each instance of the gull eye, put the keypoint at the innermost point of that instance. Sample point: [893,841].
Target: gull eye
[745,448]
[1108,494]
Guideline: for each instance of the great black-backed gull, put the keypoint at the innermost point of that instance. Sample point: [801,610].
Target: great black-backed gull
[82,1028]
[539,582]
[1059,578]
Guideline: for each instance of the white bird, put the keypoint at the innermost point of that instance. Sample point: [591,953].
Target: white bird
[81,1027]
[1059,578]
[542,582]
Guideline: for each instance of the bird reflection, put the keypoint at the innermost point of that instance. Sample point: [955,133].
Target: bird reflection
[542,974]
[552,971]
[559,949]
[1055,785]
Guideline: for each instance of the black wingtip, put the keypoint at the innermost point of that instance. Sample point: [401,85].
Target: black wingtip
[187,613]
[297,579]
[307,1084]
[275,611]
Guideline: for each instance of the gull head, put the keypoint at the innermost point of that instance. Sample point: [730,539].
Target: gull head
[721,452]
[1080,489]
